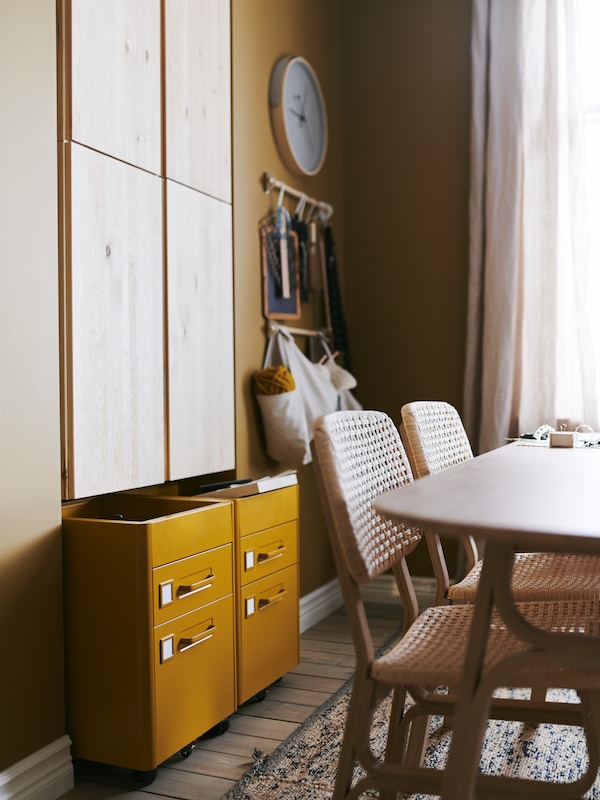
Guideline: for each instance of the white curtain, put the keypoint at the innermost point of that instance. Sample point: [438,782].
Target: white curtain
[531,350]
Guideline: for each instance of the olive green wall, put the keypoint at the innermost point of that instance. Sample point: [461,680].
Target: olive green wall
[395,74]
[406,84]
[262,32]
[406,100]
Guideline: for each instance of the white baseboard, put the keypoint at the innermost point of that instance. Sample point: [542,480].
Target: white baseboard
[44,775]
[319,604]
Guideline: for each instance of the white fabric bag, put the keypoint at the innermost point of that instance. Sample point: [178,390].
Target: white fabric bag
[288,417]
[346,400]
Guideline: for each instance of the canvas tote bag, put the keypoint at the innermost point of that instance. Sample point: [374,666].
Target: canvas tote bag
[288,417]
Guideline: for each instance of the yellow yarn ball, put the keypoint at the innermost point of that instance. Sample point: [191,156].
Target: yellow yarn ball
[273,380]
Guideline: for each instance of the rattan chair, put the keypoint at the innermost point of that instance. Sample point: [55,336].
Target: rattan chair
[435,439]
[357,456]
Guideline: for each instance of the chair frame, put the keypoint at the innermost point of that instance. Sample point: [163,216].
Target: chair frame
[409,666]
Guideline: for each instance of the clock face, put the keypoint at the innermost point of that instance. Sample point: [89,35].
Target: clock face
[299,115]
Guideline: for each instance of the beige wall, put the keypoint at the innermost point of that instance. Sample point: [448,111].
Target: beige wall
[31,689]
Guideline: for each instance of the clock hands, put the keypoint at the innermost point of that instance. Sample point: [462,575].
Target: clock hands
[303,120]
[301,116]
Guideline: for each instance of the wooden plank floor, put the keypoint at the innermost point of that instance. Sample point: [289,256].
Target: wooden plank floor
[326,662]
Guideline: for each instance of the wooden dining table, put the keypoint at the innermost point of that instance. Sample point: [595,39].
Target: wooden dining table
[524,496]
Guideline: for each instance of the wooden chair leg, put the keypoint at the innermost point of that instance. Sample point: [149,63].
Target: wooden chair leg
[394,752]
[417,741]
[358,725]
[347,759]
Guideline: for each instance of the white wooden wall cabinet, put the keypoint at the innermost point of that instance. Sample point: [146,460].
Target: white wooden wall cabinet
[116,358]
[116,74]
[200,333]
[198,106]
[148,384]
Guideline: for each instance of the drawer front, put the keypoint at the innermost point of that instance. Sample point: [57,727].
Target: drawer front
[182,586]
[261,554]
[266,510]
[199,529]
[268,632]
[194,663]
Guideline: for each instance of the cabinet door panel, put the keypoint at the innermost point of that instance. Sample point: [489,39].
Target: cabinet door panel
[198,95]
[200,334]
[115,326]
[115,79]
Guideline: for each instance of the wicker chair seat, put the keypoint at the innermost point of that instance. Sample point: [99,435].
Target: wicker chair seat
[433,650]
[538,575]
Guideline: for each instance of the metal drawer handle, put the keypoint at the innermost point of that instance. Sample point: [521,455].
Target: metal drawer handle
[271,554]
[185,590]
[193,641]
[265,602]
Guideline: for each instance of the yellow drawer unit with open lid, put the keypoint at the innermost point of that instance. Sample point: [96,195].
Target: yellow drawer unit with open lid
[150,636]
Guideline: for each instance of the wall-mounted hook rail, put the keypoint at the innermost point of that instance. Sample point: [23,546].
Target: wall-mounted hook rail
[274,326]
[323,210]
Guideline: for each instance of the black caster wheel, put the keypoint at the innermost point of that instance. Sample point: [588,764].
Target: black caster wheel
[216,730]
[186,751]
[260,696]
[220,727]
[143,777]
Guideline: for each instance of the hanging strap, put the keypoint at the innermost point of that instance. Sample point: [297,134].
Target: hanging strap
[282,226]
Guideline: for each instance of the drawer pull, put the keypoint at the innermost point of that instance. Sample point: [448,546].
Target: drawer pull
[193,641]
[185,590]
[271,554]
[265,602]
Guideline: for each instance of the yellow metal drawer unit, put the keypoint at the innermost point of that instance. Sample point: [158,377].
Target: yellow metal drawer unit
[149,626]
[266,534]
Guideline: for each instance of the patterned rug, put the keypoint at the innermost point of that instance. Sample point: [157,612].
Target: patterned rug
[304,766]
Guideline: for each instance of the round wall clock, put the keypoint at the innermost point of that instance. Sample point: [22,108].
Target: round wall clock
[298,115]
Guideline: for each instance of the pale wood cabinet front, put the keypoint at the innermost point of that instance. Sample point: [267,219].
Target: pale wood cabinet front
[146,242]
[115,73]
[115,325]
[200,333]
[198,77]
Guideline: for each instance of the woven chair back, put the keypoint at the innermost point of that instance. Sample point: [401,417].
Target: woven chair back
[436,436]
[360,455]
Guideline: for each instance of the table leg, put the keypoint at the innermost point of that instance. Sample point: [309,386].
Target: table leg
[470,716]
